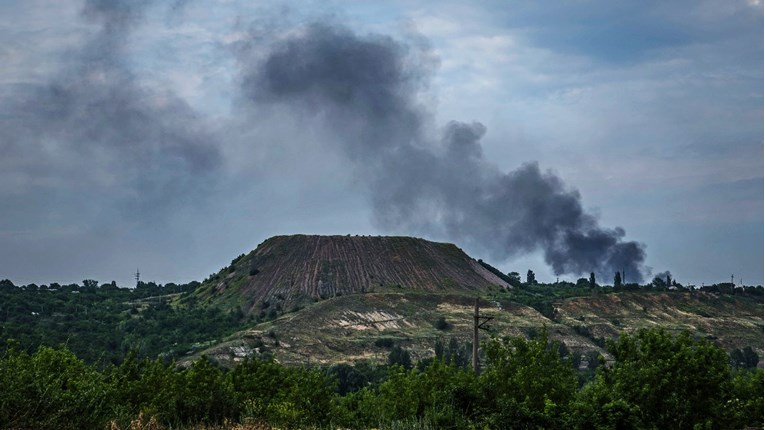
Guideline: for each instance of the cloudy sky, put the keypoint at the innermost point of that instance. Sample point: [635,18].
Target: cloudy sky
[564,137]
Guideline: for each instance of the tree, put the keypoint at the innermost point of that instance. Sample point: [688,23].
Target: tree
[205,394]
[617,280]
[283,396]
[659,381]
[745,409]
[453,353]
[530,278]
[50,389]
[400,356]
[745,359]
[527,383]
[441,394]
[515,279]
[593,284]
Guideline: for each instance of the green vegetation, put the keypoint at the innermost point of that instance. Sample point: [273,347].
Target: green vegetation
[542,296]
[509,278]
[90,355]
[101,324]
[656,380]
[442,324]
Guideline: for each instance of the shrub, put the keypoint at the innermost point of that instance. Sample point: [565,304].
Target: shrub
[442,324]
[384,342]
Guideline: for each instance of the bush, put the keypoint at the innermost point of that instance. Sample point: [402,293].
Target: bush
[400,357]
[661,381]
[283,396]
[655,381]
[384,342]
[441,324]
[51,389]
[526,382]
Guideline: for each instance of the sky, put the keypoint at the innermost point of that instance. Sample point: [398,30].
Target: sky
[565,137]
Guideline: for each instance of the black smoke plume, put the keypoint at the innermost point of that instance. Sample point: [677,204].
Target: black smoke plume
[365,89]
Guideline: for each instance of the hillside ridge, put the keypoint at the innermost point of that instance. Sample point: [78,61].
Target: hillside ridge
[349,328]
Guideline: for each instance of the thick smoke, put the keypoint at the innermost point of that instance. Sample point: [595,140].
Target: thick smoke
[365,89]
[128,145]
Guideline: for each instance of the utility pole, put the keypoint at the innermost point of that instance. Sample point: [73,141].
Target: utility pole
[479,322]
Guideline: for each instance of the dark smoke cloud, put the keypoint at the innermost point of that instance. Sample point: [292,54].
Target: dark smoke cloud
[364,89]
[94,124]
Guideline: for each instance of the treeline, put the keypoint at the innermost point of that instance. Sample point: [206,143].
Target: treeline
[101,323]
[652,380]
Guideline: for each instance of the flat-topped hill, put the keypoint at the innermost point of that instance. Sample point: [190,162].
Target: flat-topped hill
[291,270]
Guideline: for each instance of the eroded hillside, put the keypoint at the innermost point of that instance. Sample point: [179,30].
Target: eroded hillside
[350,328]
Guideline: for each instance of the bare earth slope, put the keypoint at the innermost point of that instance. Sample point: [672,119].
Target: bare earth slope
[298,269]
[347,328]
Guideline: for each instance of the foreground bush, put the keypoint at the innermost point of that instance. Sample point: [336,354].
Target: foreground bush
[656,380]
[51,389]
[670,382]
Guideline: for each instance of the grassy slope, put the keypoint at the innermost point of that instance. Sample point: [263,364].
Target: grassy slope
[731,321]
[344,329]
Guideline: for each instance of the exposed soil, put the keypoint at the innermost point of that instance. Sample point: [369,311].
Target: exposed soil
[291,270]
[346,328]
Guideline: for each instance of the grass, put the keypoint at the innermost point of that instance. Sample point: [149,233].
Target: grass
[322,332]
[143,422]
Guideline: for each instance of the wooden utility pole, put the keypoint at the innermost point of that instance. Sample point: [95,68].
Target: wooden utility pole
[475,338]
[479,322]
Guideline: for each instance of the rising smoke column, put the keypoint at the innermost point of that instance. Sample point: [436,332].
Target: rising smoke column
[365,89]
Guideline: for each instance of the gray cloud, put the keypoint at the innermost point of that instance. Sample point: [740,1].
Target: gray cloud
[94,130]
[626,32]
[663,100]
[365,89]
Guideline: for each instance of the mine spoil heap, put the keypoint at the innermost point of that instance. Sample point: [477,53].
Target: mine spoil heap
[301,268]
